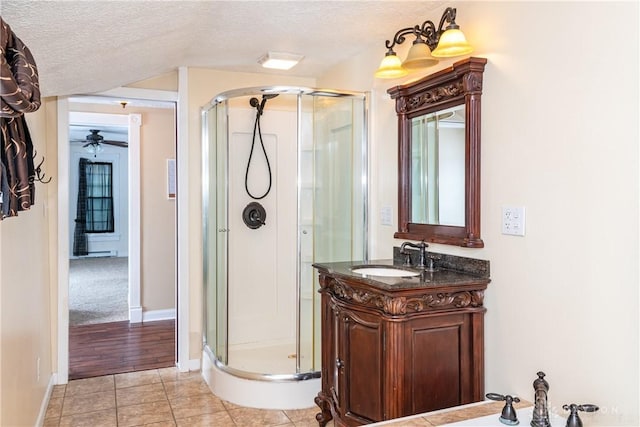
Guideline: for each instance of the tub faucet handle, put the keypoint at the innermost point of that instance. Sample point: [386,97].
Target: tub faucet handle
[574,420]
[508,415]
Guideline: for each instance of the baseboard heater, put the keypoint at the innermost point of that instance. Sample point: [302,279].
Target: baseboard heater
[95,254]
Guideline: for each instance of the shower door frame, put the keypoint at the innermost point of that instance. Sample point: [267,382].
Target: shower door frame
[207,109]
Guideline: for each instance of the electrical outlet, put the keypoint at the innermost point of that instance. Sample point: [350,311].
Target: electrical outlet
[513,220]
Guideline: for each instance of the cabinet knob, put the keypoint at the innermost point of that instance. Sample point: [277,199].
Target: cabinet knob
[339,364]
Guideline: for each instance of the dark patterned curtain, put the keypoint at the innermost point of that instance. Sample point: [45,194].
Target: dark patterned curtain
[19,94]
[80,241]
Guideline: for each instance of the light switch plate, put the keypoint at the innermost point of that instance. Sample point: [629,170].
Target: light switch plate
[513,220]
[386,215]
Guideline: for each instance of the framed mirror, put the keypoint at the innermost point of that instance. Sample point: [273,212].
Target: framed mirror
[439,155]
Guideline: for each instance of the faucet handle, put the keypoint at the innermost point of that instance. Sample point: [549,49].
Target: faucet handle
[407,259]
[574,420]
[499,397]
[508,415]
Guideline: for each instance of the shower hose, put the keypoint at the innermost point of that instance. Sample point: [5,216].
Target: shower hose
[257,131]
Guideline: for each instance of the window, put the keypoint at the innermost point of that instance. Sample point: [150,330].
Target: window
[99,181]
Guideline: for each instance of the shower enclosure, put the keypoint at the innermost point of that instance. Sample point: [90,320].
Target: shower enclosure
[284,186]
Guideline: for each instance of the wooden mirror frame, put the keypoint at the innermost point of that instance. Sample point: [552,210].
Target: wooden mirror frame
[457,85]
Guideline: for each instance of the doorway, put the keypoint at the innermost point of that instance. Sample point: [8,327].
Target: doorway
[98,219]
[137,202]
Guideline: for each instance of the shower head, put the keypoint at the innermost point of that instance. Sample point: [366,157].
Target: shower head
[260,105]
[264,100]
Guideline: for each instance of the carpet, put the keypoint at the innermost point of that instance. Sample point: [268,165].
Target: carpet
[98,290]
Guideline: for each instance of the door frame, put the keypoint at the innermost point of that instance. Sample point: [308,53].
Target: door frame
[182,303]
[133,123]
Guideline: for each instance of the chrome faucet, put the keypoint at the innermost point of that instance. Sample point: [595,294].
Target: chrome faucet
[541,408]
[422,247]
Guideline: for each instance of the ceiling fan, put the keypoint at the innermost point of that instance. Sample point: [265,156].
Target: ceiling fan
[94,142]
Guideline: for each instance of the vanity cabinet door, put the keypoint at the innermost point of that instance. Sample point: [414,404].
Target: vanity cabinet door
[360,363]
[440,356]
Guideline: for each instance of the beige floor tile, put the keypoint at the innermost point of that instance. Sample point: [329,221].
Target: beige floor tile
[140,394]
[89,385]
[230,406]
[89,402]
[170,423]
[58,391]
[186,387]
[190,406]
[417,422]
[145,413]
[51,422]
[307,423]
[297,415]
[105,418]
[173,374]
[248,417]
[218,419]
[54,409]
[132,379]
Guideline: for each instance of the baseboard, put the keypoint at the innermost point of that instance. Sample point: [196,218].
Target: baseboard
[154,315]
[191,366]
[135,314]
[45,400]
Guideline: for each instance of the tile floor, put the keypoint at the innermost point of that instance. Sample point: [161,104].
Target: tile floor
[159,398]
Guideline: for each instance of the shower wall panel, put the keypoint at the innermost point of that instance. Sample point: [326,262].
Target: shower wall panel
[262,262]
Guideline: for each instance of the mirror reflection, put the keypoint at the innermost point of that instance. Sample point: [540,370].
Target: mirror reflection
[438,167]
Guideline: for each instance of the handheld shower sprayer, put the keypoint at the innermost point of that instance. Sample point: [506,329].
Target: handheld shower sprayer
[259,106]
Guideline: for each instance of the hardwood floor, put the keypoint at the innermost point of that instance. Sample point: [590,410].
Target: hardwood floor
[117,347]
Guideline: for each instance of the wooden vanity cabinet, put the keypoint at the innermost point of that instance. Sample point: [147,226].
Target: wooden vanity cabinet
[389,354]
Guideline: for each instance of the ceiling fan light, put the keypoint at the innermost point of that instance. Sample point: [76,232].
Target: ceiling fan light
[390,67]
[94,148]
[419,56]
[452,43]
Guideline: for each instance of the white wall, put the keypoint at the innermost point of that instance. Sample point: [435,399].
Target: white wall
[559,137]
[25,322]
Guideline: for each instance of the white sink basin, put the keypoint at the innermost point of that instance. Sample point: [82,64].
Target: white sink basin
[384,271]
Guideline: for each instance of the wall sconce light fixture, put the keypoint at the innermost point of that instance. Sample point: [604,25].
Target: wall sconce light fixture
[430,43]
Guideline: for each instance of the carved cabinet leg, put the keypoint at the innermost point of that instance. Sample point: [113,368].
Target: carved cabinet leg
[324,416]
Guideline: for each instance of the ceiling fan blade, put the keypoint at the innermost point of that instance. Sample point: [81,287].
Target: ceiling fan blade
[116,143]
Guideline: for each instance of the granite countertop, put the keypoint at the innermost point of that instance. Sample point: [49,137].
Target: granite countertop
[441,278]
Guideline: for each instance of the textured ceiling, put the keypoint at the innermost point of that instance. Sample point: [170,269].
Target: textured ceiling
[92,46]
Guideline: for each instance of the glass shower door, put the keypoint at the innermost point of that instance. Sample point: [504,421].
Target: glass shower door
[215,230]
[332,198]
